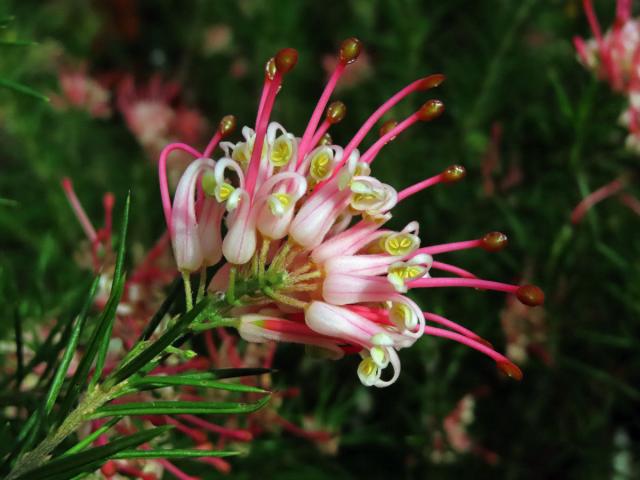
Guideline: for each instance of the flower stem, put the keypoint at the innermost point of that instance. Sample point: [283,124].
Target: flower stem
[188,294]
[39,455]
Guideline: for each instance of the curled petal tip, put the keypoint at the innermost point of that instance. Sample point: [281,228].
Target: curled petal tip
[530,295]
[286,59]
[431,110]
[454,173]
[350,50]
[510,369]
[432,81]
[494,241]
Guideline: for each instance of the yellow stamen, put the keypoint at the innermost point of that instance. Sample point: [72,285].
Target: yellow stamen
[400,244]
[321,165]
[224,191]
[281,151]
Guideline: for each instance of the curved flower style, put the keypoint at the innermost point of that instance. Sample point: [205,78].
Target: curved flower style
[303,220]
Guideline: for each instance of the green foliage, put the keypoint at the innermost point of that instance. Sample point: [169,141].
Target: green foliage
[507,62]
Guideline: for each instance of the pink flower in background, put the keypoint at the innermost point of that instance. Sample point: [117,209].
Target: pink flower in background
[217,39]
[454,439]
[615,58]
[357,74]
[305,222]
[525,330]
[155,116]
[80,91]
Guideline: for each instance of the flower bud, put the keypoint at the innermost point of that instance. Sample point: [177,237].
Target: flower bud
[510,369]
[336,112]
[494,241]
[530,295]
[350,50]
[453,173]
[286,59]
[431,81]
[387,127]
[325,140]
[227,125]
[431,110]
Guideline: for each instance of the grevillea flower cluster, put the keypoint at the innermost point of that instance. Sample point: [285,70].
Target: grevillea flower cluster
[615,58]
[296,228]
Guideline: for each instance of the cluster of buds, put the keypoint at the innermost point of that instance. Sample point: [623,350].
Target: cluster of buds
[615,58]
[302,221]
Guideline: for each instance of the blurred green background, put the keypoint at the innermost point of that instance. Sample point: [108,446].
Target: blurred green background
[535,131]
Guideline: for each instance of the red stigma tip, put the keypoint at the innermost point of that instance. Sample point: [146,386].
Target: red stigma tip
[227,125]
[494,241]
[432,81]
[453,173]
[350,50]
[431,110]
[286,59]
[387,127]
[66,184]
[510,369]
[336,112]
[108,200]
[530,295]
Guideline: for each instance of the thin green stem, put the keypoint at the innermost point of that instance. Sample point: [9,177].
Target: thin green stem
[202,284]
[188,293]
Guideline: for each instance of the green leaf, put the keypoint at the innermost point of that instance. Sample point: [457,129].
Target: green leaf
[117,286]
[174,291]
[101,333]
[177,453]
[62,370]
[238,372]
[17,327]
[67,466]
[18,87]
[156,348]
[165,407]
[157,381]
[89,439]
[17,43]
[8,202]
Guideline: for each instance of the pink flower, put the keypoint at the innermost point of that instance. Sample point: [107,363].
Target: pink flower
[301,221]
[615,58]
[154,115]
[81,91]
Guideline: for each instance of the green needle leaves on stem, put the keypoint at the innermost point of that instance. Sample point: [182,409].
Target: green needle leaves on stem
[67,466]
